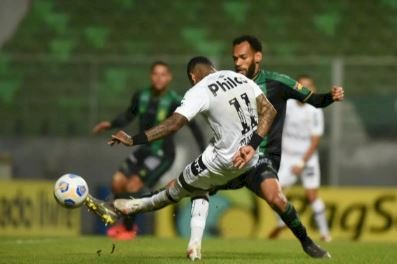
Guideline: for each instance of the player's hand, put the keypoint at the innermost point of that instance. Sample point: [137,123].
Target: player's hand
[243,156]
[338,94]
[297,170]
[121,137]
[101,126]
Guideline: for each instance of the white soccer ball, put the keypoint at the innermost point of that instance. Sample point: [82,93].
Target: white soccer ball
[70,190]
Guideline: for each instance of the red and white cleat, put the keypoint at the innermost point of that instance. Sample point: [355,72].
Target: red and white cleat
[126,235]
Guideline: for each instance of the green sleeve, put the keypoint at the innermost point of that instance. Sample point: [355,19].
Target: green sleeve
[176,101]
[291,88]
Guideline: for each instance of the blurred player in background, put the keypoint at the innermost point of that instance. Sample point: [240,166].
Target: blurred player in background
[303,128]
[247,57]
[144,167]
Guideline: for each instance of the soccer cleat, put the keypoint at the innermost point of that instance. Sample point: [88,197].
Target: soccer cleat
[194,252]
[128,206]
[108,215]
[314,250]
[114,230]
[125,235]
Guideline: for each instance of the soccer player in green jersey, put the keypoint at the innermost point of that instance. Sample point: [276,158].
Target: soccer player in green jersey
[247,56]
[144,167]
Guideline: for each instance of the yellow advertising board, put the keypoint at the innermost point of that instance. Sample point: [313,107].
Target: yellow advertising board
[27,207]
[367,214]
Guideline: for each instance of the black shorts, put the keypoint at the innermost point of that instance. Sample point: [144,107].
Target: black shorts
[265,168]
[148,166]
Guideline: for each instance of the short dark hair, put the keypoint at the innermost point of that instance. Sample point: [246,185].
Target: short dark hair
[193,62]
[253,41]
[159,63]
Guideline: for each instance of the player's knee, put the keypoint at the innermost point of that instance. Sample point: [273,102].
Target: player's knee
[134,184]
[277,201]
[176,191]
[119,181]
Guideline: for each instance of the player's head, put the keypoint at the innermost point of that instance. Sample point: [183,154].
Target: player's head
[247,55]
[307,81]
[199,67]
[160,76]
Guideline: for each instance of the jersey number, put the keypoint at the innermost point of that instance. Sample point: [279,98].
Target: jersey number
[246,127]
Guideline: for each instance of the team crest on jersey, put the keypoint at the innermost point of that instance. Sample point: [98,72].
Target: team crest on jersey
[162,115]
[298,86]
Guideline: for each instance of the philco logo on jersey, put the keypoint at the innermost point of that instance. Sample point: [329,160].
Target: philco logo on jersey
[227,84]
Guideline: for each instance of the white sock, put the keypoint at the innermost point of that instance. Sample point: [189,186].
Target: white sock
[197,221]
[318,207]
[155,201]
[162,198]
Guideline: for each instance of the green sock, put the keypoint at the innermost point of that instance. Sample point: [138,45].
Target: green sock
[291,219]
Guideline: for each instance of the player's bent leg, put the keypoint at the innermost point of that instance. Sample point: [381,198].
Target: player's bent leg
[265,178]
[285,178]
[271,191]
[172,194]
[318,208]
[199,213]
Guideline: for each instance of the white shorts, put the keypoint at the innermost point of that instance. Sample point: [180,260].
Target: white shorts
[210,170]
[310,176]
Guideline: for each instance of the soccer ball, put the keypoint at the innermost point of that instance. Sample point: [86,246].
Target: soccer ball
[70,190]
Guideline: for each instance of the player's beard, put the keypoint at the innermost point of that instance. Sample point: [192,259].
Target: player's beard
[250,73]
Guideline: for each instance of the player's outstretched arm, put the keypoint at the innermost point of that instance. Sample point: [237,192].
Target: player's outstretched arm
[337,94]
[165,128]
[169,126]
[101,126]
[122,120]
[266,115]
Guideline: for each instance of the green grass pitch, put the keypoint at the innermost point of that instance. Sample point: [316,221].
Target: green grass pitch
[155,250]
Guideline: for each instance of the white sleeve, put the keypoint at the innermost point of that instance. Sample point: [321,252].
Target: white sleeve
[317,122]
[257,89]
[195,101]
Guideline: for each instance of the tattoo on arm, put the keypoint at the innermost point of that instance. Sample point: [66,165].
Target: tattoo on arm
[167,127]
[266,115]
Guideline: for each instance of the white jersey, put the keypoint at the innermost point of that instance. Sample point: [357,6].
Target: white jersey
[227,101]
[301,123]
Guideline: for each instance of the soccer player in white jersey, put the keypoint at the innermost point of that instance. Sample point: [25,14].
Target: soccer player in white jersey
[240,116]
[303,128]
[238,113]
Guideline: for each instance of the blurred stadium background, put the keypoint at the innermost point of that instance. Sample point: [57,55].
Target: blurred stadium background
[64,65]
